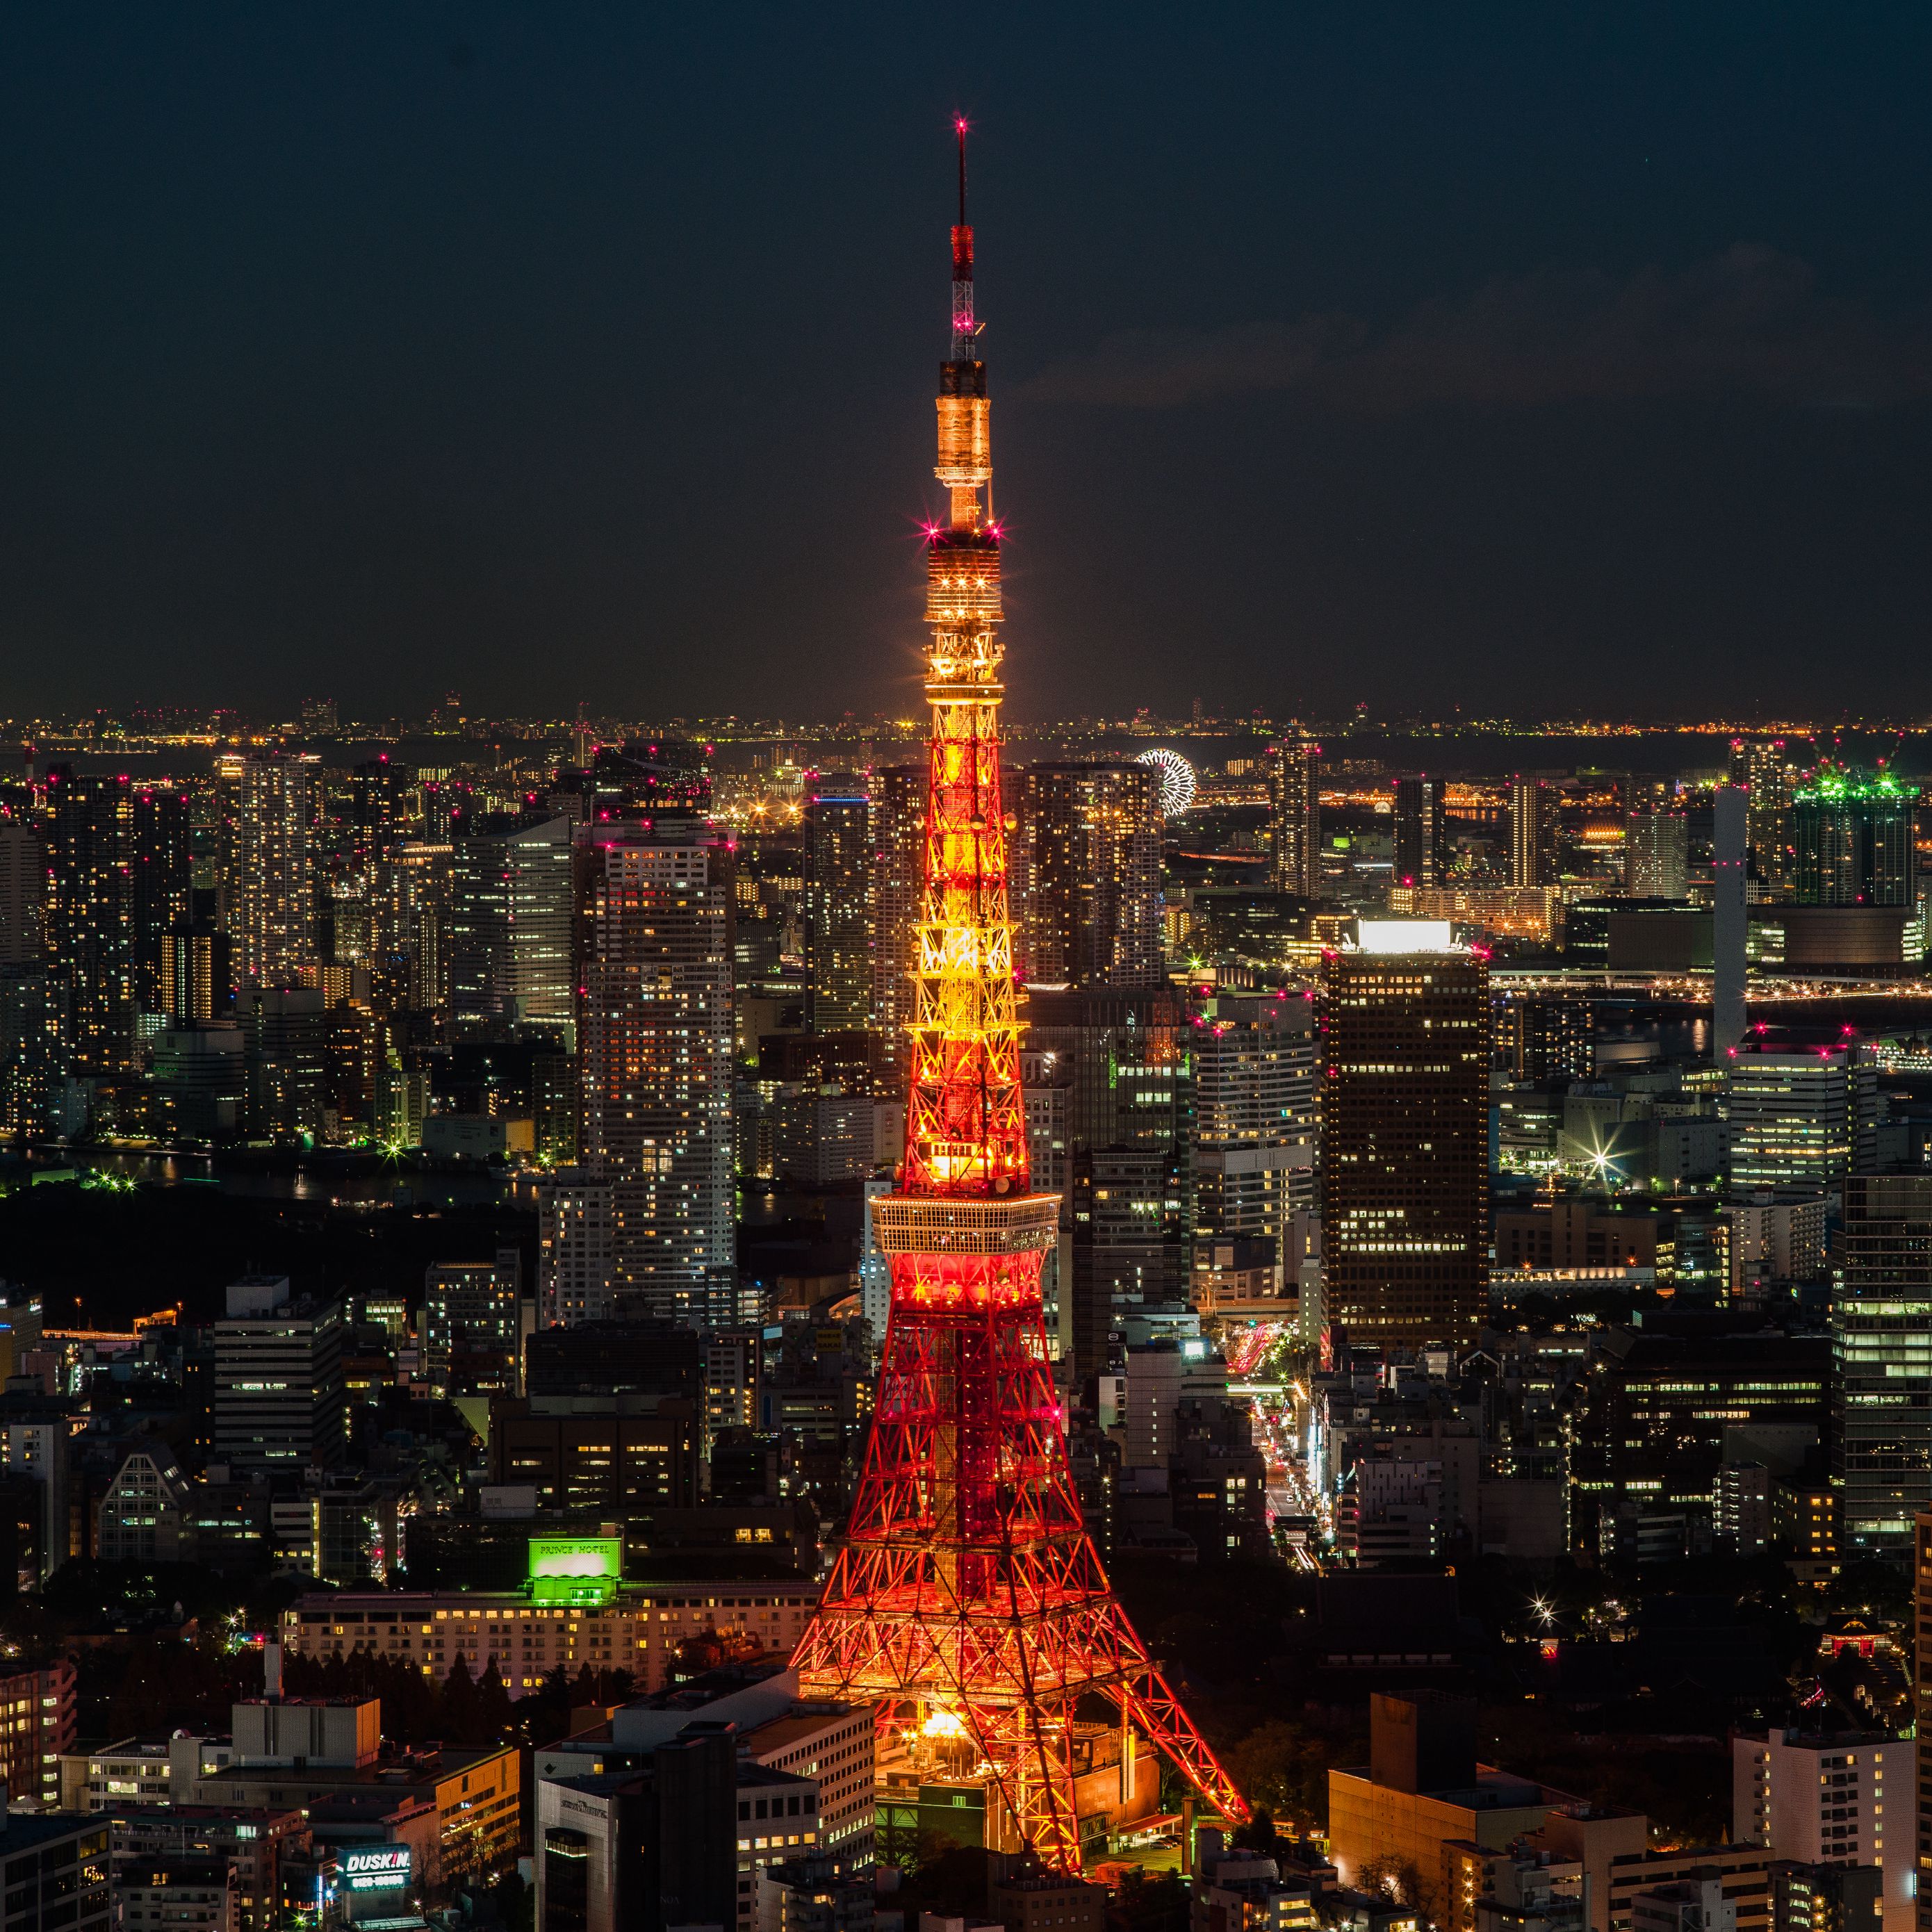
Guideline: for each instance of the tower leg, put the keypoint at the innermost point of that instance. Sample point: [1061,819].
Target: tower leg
[1146,1701]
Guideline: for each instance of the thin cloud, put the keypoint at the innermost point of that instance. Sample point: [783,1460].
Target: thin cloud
[1749,321]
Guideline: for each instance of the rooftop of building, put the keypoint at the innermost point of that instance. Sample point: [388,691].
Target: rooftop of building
[703,1592]
[415,1771]
[363,1807]
[1832,1740]
[1033,1883]
[187,1815]
[1645,1348]
[160,1869]
[146,1743]
[24,1829]
[750,1776]
[1495,1790]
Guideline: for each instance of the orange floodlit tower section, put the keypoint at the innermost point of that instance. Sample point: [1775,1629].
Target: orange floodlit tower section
[967,1602]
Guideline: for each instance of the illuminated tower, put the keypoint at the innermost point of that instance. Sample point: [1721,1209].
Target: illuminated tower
[967,1602]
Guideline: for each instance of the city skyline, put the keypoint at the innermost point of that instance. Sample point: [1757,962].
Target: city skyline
[1254,1257]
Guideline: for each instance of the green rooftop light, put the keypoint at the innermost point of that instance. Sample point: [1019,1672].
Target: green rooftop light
[1841,784]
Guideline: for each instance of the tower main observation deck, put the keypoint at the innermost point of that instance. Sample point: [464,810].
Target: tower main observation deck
[967,1602]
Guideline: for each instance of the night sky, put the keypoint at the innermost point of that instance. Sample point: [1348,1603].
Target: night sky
[1539,358]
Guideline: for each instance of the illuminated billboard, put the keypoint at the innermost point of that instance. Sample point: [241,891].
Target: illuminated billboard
[1405,935]
[575,1569]
[376,1868]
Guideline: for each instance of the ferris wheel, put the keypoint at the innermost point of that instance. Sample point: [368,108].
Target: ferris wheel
[1177,779]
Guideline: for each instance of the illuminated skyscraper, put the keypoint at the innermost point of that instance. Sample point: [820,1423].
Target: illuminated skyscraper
[383,805]
[577,1265]
[1852,835]
[1532,834]
[1254,1124]
[23,879]
[1087,871]
[1882,1361]
[1657,852]
[1762,767]
[1422,854]
[161,884]
[472,1325]
[268,887]
[654,904]
[967,1603]
[196,981]
[1802,1119]
[507,933]
[34,1050]
[89,928]
[1405,1034]
[898,845]
[837,903]
[1294,816]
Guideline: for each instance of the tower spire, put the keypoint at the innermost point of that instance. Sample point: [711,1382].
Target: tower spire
[963,327]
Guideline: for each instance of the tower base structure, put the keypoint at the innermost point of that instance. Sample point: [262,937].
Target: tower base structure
[967,1603]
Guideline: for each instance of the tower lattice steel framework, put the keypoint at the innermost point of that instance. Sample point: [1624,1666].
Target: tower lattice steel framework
[967,1602]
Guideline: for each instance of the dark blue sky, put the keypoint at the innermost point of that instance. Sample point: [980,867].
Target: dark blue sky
[1531,358]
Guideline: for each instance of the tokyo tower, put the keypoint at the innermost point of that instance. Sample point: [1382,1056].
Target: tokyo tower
[967,1602]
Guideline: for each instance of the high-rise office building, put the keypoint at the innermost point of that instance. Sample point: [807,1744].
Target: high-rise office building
[34,1062]
[1657,852]
[839,880]
[89,931]
[267,867]
[1762,767]
[654,905]
[1802,1119]
[1921,1695]
[507,934]
[1546,1037]
[279,1395]
[1123,1073]
[161,884]
[1882,1362]
[1294,816]
[1131,1246]
[898,847]
[1852,838]
[197,981]
[23,878]
[198,1081]
[412,888]
[1406,1041]
[1818,1799]
[472,1339]
[1533,826]
[382,805]
[1088,874]
[285,1033]
[577,1266]
[657,1846]
[1255,1116]
[1422,853]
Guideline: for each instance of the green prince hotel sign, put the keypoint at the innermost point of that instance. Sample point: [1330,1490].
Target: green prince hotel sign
[575,1569]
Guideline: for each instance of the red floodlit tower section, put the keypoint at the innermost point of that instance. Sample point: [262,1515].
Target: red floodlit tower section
[967,1602]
